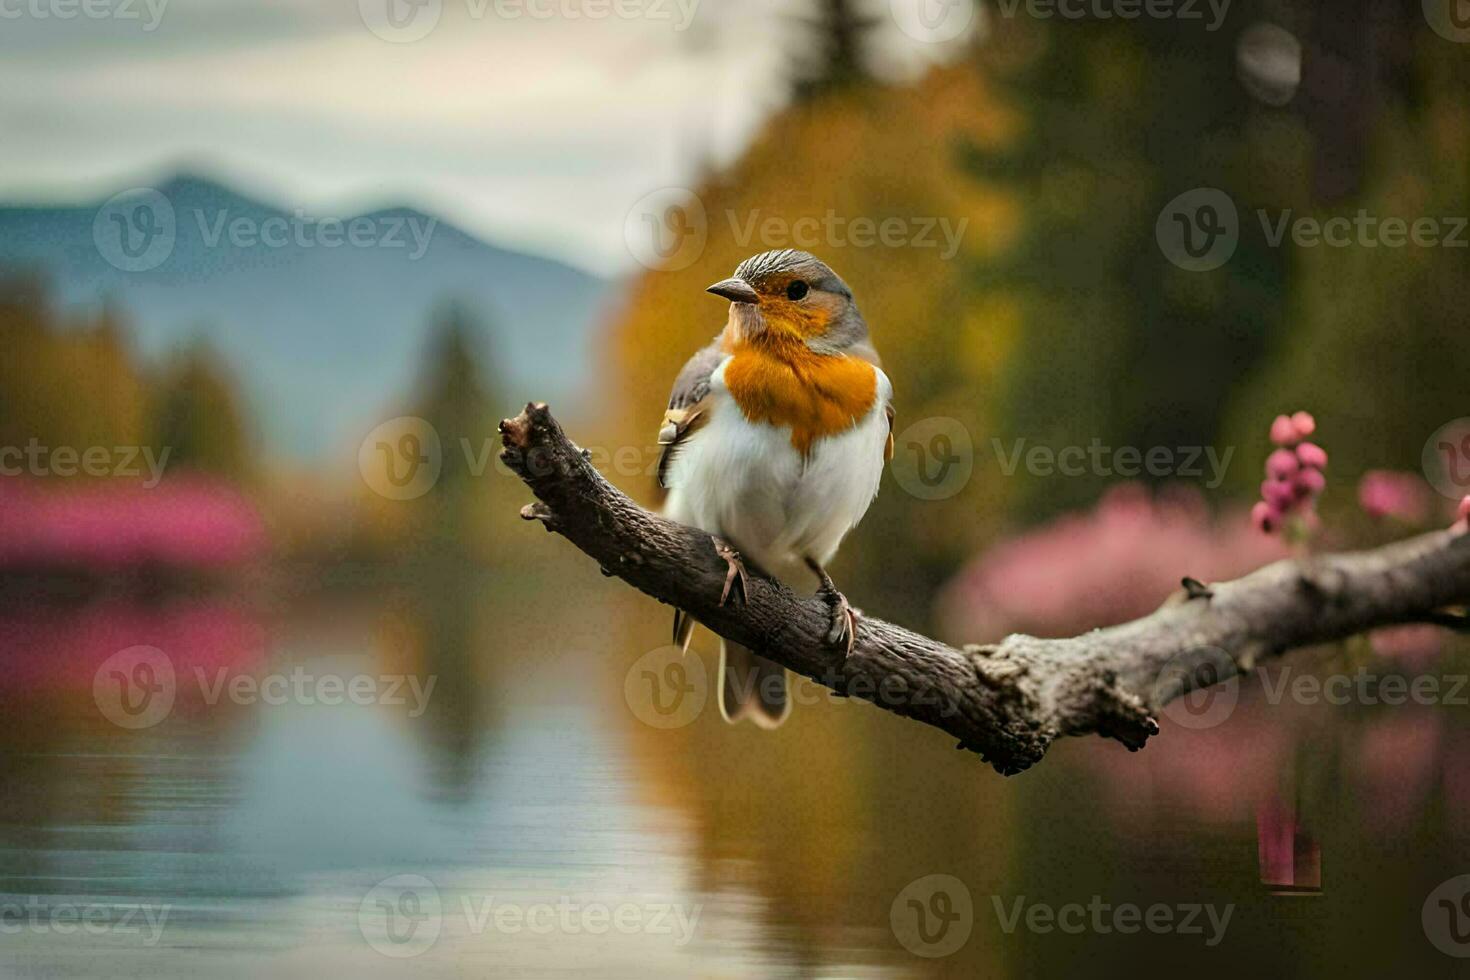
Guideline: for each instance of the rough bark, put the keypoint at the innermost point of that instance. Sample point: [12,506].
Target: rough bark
[1010,700]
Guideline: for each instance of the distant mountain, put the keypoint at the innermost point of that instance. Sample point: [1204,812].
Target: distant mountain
[324,322]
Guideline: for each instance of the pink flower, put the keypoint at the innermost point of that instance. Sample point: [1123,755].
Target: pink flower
[1465,509]
[1311,454]
[1403,496]
[1294,476]
[1283,431]
[1282,464]
[1280,494]
[1266,517]
[1309,482]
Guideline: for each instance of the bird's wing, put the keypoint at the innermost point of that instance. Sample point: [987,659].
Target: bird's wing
[888,446]
[688,406]
[869,353]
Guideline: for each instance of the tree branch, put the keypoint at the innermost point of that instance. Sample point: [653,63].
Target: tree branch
[1007,701]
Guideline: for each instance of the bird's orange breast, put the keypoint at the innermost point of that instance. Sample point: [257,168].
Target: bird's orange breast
[782,381]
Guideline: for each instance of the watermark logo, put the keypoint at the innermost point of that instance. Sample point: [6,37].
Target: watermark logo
[666,230]
[135,688]
[404,916]
[413,233]
[402,458]
[42,916]
[1098,916]
[933,21]
[1180,10]
[1204,463]
[138,687]
[401,916]
[1446,459]
[1363,230]
[1446,917]
[934,458]
[1450,19]
[1211,683]
[1199,230]
[758,231]
[301,686]
[130,462]
[932,916]
[400,21]
[406,21]
[148,12]
[1365,688]
[135,231]
[138,230]
[666,688]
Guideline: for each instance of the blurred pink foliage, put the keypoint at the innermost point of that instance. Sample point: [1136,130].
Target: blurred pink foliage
[1290,859]
[188,522]
[1398,764]
[1113,564]
[207,635]
[1402,496]
[1414,646]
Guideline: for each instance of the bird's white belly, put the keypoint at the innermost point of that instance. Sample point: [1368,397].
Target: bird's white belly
[746,482]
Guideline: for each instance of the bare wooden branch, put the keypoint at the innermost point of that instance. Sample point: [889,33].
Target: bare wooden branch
[1007,701]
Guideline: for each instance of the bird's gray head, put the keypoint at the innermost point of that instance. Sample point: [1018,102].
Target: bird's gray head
[793,293]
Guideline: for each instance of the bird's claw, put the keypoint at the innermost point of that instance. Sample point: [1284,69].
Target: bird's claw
[735,572]
[843,629]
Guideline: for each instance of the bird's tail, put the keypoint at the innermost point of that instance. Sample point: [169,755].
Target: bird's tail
[751,687]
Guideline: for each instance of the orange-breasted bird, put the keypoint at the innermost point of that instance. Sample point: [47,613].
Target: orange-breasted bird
[774,441]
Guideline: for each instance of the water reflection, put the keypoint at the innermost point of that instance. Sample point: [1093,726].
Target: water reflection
[470,735]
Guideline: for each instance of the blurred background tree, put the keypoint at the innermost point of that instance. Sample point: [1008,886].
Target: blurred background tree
[199,418]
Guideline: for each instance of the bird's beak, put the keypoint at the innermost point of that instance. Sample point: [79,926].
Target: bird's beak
[735,290]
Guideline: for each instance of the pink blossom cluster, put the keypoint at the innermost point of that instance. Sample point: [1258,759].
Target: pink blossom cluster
[1294,473]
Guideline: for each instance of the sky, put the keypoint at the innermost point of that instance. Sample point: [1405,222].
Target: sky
[536,124]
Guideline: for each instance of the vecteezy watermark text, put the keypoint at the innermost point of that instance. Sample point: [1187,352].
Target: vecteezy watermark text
[148,12]
[1200,230]
[48,916]
[1365,687]
[1363,230]
[1180,10]
[667,230]
[403,916]
[667,688]
[1074,918]
[1098,459]
[413,232]
[137,687]
[138,229]
[35,459]
[833,230]
[406,21]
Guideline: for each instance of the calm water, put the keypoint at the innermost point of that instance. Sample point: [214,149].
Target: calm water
[490,799]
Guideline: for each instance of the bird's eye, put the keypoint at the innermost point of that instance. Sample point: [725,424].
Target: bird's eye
[797,290]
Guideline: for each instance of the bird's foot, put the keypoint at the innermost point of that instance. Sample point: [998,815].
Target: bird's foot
[845,616]
[735,573]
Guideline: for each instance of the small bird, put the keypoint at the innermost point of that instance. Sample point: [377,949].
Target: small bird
[774,442]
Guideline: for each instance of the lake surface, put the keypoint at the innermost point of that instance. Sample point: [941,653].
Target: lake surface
[468,778]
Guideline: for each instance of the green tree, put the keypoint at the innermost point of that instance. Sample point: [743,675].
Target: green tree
[198,417]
